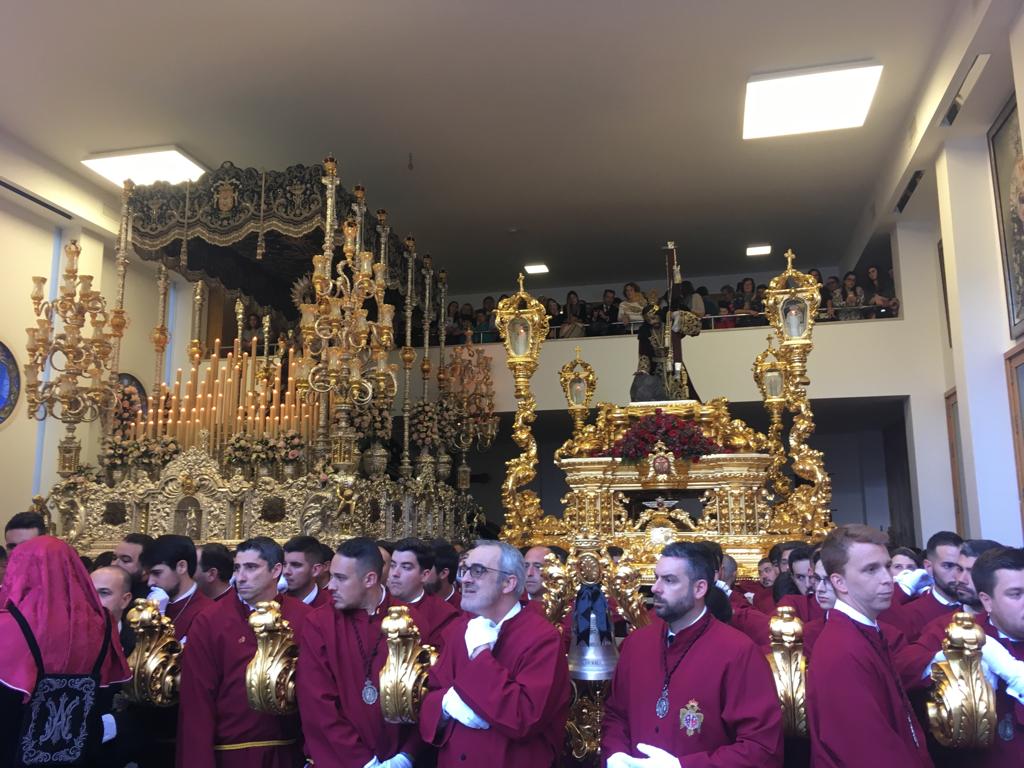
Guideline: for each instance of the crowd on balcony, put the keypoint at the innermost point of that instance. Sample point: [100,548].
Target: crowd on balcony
[733,306]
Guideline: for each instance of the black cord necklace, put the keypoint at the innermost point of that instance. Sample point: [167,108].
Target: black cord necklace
[370,694]
[661,708]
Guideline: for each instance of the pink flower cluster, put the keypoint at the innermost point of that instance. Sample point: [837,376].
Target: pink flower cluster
[683,437]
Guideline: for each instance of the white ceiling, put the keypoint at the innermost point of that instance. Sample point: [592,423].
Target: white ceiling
[598,130]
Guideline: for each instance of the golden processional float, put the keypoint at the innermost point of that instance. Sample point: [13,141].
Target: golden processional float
[289,428]
[757,490]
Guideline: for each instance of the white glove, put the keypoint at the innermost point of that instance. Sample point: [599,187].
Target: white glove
[282,586]
[1000,661]
[109,727]
[480,631]
[914,582]
[453,706]
[622,760]
[161,597]
[724,587]
[374,763]
[656,758]
[749,596]
[401,760]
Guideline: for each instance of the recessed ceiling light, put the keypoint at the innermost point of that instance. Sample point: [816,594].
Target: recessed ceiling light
[536,269]
[759,250]
[145,166]
[809,100]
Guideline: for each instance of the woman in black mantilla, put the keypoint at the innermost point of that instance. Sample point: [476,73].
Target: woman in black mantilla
[655,378]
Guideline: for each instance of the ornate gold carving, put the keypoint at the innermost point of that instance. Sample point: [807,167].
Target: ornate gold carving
[403,678]
[154,662]
[558,590]
[962,707]
[270,676]
[586,714]
[523,325]
[789,669]
[624,587]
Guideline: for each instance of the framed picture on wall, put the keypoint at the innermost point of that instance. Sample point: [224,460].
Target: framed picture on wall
[1008,177]
[1015,384]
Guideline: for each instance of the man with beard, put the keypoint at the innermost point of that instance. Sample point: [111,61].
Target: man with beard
[302,567]
[216,726]
[126,556]
[688,689]
[213,574]
[858,712]
[942,564]
[412,562]
[801,571]
[441,581]
[171,563]
[999,580]
[341,652]
[499,693]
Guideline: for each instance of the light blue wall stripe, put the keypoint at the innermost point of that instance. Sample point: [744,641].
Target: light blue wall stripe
[37,473]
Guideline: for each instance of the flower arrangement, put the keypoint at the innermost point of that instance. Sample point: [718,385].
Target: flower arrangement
[169,448]
[127,404]
[683,437]
[449,421]
[373,419]
[264,450]
[115,452]
[239,449]
[145,452]
[425,431]
[291,448]
[86,474]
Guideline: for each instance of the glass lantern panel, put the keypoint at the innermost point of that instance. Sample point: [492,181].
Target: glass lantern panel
[577,391]
[519,336]
[773,383]
[794,318]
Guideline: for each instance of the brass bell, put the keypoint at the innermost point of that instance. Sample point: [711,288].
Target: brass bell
[595,660]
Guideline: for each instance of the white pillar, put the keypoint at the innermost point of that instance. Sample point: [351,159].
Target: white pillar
[916,259]
[977,306]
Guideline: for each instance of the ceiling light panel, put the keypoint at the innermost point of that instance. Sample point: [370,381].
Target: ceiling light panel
[145,166]
[809,100]
[536,269]
[759,250]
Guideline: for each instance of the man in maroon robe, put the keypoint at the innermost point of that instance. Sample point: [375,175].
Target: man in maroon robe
[688,689]
[412,562]
[216,726]
[302,568]
[499,693]
[533,588]
[213,574]
[341,652]
[442,579]
[171,563]
[942,564]
[126,555]
[857,709]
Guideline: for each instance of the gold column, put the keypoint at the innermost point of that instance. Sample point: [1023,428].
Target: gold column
[159,335]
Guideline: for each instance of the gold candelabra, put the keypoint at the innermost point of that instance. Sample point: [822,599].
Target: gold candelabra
[344,352]
[83,363]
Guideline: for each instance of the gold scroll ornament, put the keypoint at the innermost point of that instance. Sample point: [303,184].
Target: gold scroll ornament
[403,678]
[155,661]
[962,707]
[270,676]
[789,669]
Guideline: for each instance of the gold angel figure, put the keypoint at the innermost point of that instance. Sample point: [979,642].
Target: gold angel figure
[155,665]
[270,676]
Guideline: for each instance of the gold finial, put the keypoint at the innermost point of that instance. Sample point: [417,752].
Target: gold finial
[521,288]
[578,353]
[330,165]
[789,259]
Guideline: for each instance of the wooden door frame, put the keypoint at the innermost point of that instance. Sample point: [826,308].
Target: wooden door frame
[954,462]
[1013,360]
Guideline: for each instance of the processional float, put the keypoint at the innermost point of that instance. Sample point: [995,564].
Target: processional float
[265,437]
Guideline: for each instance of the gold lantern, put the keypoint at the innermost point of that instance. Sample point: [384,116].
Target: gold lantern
[578,383]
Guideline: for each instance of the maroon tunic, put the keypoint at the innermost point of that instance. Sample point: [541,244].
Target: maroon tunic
[323,597]
[1004,751]
[857,710]
[184,612]
[913,616]
[432,616]
[214,708]
[521,688]
[806,606]
[750,621]
[765,602]
[340,729]
[722,677]
[455,598]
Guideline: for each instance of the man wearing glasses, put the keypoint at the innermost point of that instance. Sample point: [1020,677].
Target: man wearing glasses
[500,688]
